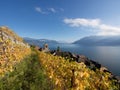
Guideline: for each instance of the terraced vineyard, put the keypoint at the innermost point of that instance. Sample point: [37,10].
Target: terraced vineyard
[25,68]
[75,76]
[12,50]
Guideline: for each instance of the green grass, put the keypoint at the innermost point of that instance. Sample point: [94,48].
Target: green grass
[27,75]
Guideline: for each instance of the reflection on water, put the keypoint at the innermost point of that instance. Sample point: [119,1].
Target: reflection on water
[108,56]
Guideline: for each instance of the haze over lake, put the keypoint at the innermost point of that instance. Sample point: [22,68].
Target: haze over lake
[108,56]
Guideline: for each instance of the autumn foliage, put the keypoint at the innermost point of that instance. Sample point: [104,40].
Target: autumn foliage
[12,50]
[74,76]
[25,68]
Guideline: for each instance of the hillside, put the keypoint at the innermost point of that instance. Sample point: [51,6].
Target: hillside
[99,41]
[11,50]
[25,68]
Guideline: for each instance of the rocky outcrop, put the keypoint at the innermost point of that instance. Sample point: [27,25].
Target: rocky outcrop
[6,36]
[78,58]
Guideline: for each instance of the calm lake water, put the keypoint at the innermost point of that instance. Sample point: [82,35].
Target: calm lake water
[108,56]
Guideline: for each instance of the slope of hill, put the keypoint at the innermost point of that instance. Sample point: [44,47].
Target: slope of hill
[68,75]
[11,50]
[99,40]
[34,72]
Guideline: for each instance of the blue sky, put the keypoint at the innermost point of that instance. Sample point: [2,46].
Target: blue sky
[62,20]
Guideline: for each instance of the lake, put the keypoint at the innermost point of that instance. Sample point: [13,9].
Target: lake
[108,56]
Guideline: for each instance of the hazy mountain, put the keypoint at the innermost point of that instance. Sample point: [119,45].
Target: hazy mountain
[99,40]
[39,41]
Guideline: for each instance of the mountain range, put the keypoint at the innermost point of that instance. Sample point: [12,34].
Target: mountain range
[39,42]
[99,41]
[86,41]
